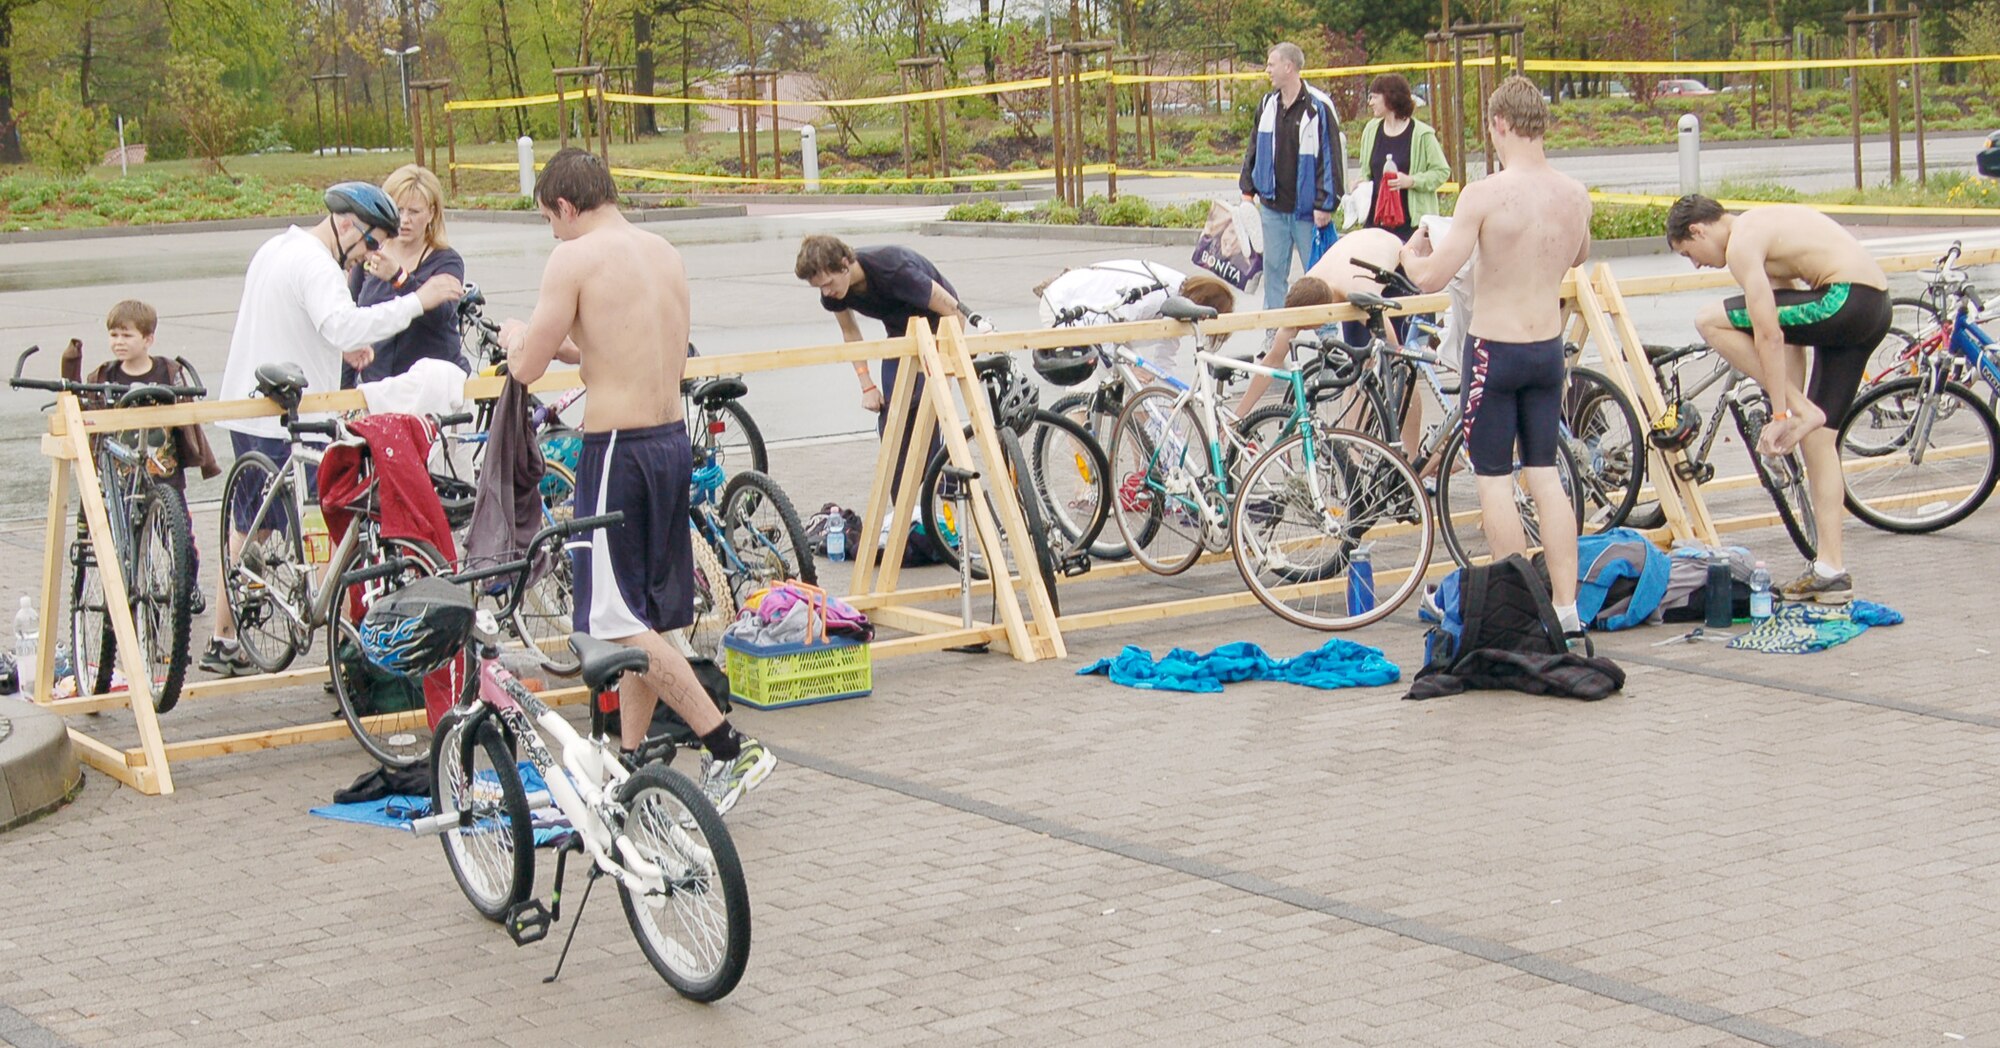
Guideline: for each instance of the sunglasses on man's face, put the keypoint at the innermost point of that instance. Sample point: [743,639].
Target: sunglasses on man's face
[368,240]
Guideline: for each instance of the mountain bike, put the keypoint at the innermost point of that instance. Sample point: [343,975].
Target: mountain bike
[1312,506]
[152,542]
[281,586]
[651,829]
[1919,318]
[1921,452]
[1782,476]
[751,526]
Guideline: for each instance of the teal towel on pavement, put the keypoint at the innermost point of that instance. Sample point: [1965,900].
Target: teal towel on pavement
[1335,664]
[1800,629]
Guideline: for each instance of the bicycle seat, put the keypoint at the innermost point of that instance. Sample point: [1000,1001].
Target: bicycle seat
[604,662]
[1178,308]
[283,382]
[992,367]
[1371,302]
[711,392]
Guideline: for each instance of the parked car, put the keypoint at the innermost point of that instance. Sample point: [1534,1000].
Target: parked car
[1989,158]
[1676,88]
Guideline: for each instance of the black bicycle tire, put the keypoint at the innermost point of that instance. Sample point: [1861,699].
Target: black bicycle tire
[1412,580]
[1082,538]
[1099,425]
[1154,519]
[1031,512]
[339,628]
[100,641]
[1795,520]
[513,799]
[1441,502]
[165,504]
[1606,390]
[1965,509]
[711,579]
[753,437]
[728,875]
[237,469]
[762,484]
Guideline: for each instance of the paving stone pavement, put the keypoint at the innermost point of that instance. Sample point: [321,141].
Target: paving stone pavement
[1739,849]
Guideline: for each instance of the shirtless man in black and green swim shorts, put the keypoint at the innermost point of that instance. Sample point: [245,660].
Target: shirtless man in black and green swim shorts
[1806,282]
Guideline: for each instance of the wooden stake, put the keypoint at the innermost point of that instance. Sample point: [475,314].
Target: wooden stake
[55,542]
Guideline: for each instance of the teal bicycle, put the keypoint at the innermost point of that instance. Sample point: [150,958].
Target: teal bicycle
[1328,526]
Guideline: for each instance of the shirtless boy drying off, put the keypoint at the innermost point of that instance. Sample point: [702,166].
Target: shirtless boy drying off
[615,300]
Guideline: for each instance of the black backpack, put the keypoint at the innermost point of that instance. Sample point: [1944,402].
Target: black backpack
[1508,636]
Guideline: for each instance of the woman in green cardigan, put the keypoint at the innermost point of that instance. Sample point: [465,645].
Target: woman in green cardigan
[1395,136]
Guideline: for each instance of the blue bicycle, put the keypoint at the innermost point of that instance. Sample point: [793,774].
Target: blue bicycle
[1921,452]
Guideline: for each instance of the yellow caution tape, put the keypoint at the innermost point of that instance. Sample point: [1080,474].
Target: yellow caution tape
[529,100]
[970,90]
[1324,73]
[1547,65]
[747,180]
[1647,200]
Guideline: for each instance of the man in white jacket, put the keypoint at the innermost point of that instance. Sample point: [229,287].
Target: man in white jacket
[296,309]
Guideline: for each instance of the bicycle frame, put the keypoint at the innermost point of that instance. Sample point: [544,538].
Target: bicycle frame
[320,594]
[1209,419]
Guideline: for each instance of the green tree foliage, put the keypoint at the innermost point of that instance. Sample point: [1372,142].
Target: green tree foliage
[211,115]
[62,135]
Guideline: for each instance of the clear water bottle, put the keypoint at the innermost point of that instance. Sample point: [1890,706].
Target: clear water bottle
[1760,592]
[27,635]
[836,535]
[1360,582]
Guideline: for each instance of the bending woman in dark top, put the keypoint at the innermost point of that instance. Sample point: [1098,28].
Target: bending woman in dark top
[416,254]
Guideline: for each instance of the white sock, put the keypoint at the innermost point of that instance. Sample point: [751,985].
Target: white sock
[1825,571]
[1566,614]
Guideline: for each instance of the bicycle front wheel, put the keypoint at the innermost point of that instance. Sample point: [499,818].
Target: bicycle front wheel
[1097,413]
[714,601]
[693,922]
[1461,519]
[1161,482]
[1783,477]
[765,530]
[384,709]
[1608,446]
[728,428]
[1070,478]
[1299,522]
[492,849]
[161,588]
[1914,461]
[93,647]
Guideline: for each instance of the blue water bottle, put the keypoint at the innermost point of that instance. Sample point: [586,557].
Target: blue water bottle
[1360,582]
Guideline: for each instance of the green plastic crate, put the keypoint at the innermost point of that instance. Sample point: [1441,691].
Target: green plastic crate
[774,676]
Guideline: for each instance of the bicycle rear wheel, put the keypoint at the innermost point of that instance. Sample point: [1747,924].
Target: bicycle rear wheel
[1070,478]
[385,710]
[1097,415]
[1608,446]
[93,648]
[1297,525]
[1162,481]
[728,428]
[765,530]
[1461,520]
[694,927]
[1783,477]
[492,849]
[161,587]
[714,601]
[266,572]
[1915,462]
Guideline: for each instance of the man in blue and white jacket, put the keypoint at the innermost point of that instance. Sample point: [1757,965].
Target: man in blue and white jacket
[1294,168]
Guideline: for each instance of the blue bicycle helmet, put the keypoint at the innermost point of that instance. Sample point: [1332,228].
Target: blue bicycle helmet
[418,628]
[366,201]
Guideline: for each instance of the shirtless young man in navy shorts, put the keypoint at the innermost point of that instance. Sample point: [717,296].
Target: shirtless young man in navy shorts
[1530,224]
[615,300]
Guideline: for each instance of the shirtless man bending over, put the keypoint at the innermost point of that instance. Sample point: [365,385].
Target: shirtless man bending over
[615,299]
[1806,282]
[1530,223]
[1327,282]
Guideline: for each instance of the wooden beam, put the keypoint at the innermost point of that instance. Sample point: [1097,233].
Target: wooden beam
[110,761]
[55,542]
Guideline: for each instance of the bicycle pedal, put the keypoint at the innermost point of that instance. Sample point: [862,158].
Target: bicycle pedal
[1075,564]
[528,922]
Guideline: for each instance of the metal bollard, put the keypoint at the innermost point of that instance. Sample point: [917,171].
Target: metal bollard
[809,156]
[524,153]
[1690,143]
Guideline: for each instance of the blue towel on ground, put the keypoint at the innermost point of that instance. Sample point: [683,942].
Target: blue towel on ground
[1800,629]
[395,811]
[1335,664]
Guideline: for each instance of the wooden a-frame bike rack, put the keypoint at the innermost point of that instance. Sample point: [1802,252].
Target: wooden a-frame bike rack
[1028,633]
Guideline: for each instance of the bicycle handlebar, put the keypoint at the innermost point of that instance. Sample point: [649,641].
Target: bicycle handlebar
[542,538]
[1387,277]
[458,419]
[124,392]
[327,427]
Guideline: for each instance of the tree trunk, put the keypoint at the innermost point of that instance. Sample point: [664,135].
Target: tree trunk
[642,65]
[513,63]
[83,63]
[986,38]
[687,112]
[10,134]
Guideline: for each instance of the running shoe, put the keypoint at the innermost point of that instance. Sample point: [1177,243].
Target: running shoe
[1812,588]
[725,782]
[227,660]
